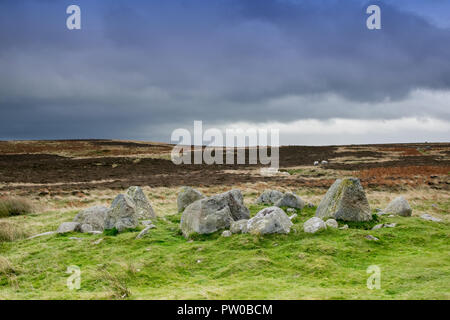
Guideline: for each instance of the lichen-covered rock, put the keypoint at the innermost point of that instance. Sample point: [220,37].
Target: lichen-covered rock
[92,218]
[290,200]
[399,206]
[314,225]
[345,200]
[187,196]
[122,214]
[332,223]
[269,197]
[205,216]
[239,226]
[235,202]
[210,214]
[68,227]
[144,209]
[269,220]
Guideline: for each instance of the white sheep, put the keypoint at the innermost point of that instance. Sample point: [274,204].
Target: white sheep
[316,163]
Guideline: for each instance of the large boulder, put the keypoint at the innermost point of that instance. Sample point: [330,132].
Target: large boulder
[345,200]
[144,209]
[91,219]
[122,214]
[269,197]
[210,214]
[399,206]
[314,225]
[205,216]
[290,200]
[269,220]
[187,196]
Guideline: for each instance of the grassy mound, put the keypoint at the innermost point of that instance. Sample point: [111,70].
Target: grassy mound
[413,258]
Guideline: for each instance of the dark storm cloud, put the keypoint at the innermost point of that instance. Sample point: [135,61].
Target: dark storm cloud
[142,68]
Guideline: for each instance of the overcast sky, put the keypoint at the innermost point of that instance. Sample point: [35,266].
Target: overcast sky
[140,69]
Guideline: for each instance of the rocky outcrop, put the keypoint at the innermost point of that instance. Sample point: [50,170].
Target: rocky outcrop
[345,200]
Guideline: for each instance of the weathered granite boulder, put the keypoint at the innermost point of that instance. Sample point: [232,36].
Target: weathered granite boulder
[399,206]
[205,216]
[235,202]
[290,200]
[92,219]
[122,214]
[144,209]
[210,214]
[239,226]
[345,200]
[187,196]
[269,220]
[269,197]
[314,225]
[68,227]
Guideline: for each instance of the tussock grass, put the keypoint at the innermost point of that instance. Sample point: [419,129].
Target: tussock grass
[14,206]
[10,231]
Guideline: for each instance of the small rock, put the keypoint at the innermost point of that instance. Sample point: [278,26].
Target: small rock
[145,231]
[391,216]
[95,232]
[199,261]
[434,206]
[293,216]
[429,217]
[371,238]
[331,223]
[66,227]
[378,226]
[239,226]
[146,222]
[313,225]
[399,206]
[344,227]
[291,210]
[226,234]
[389,225]
[42,234]
[75,238]
[98,241]
[310,205]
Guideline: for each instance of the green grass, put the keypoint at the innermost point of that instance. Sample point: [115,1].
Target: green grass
[332,264]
